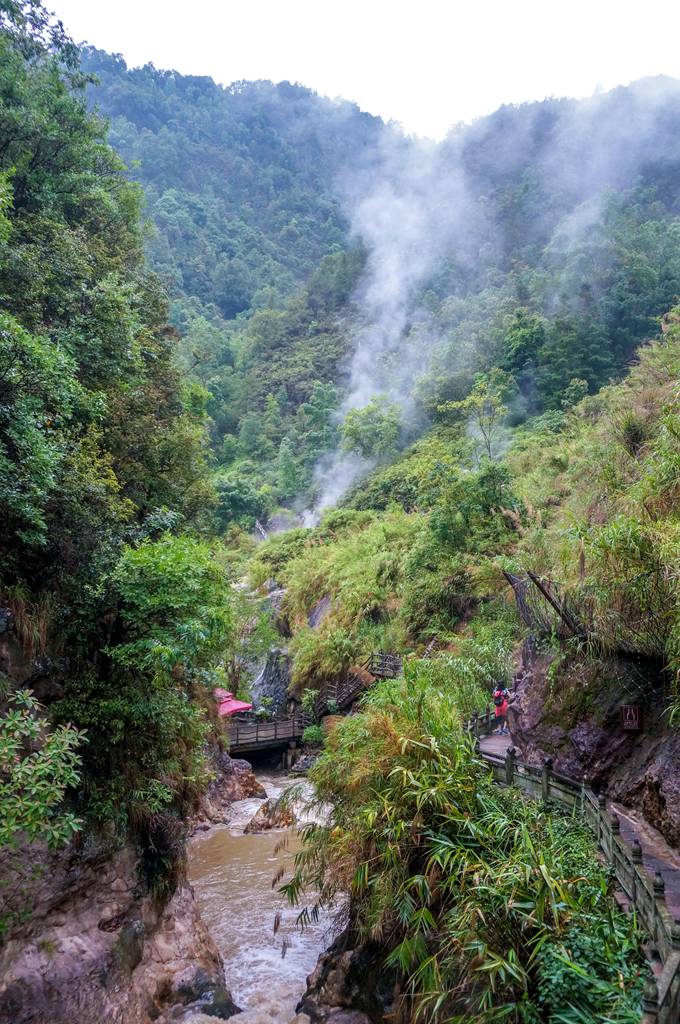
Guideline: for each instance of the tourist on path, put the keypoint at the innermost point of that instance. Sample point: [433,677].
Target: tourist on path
[500,699]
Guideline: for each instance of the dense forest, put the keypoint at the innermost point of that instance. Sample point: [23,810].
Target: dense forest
[442,364]
[543,244]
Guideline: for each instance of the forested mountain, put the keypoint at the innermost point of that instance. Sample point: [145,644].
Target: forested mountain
[464,360]
[541,241]
[240,182]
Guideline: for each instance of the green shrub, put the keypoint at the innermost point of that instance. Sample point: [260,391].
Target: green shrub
[461,882]
[314,735]
[144,709]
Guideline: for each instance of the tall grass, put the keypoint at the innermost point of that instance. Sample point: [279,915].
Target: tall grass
[473,892]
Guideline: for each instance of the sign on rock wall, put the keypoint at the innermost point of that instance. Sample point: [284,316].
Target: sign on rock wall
[631,717]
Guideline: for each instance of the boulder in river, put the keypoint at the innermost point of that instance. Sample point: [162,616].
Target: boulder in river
[350,985]
[234,780]
[271,814]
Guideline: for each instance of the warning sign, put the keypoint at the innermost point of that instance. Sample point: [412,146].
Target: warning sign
[631,717]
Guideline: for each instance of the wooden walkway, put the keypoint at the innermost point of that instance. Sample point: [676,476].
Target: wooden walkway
[657,855]
[495,744]
[247,736]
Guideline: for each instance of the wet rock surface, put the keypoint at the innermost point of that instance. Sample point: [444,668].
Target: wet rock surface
[349,986]
[98,947]
[319,612]
[271,814]
[273,681]
[234,780]
[573,716]
[304,763]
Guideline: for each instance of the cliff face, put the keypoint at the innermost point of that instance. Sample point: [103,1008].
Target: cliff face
[96,948]
[570,712]
[89,942]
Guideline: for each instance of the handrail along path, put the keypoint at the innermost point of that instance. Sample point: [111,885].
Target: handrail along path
[661,1000]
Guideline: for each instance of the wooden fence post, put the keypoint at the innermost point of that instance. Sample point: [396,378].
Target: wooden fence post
[510,765]
[475,724]
[545,778]
[584,787]
[650,1001]
[601,811]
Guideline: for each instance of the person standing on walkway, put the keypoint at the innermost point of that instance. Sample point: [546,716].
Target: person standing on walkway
[501,697]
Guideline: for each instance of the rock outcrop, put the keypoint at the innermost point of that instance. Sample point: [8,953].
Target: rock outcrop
[349,985]
[271,814]
[234,780]
[570,712]
[99,947]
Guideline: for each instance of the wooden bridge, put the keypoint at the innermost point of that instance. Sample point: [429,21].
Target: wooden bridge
[249,735]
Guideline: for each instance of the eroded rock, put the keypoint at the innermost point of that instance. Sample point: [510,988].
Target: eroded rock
[98,947]
[234,780]
[350,986]
[271,814]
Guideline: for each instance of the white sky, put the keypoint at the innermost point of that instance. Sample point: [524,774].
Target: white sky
[425,63]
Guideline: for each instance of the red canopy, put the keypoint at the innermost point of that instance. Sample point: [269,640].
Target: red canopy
[228,705]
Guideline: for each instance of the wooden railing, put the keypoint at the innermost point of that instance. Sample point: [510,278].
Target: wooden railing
[384,666]
[661,1000]
[248,734]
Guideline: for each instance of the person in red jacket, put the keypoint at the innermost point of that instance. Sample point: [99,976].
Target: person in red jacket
[500,699]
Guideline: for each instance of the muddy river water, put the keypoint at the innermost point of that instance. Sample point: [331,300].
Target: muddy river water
[232,876]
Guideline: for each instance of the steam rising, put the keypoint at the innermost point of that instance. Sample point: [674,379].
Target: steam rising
[417,204]
[408,214]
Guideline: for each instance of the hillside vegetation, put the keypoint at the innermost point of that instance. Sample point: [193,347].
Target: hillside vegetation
[183,292]
[555,254]
[587,498]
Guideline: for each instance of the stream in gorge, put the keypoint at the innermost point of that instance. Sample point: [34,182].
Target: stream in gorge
[232,876]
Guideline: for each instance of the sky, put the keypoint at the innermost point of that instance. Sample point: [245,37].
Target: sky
[427,64]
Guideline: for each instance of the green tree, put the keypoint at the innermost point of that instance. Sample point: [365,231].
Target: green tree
[241,497]
[372,431]
[252,436]
[287,471]
[485,408]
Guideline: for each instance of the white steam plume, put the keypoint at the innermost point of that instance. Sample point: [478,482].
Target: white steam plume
[407,210]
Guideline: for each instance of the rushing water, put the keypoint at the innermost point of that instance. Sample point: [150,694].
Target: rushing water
[232,875]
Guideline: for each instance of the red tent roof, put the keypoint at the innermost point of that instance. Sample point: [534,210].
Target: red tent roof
[228,705]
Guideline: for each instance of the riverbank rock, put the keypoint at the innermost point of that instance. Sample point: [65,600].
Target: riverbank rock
[99,947]
[572,715]
[234,780]
[349,986]
[304,763]
[270,815]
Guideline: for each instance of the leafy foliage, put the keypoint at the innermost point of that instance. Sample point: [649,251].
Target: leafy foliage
[373,430]
[36,769]
[471,891]
[101,445]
